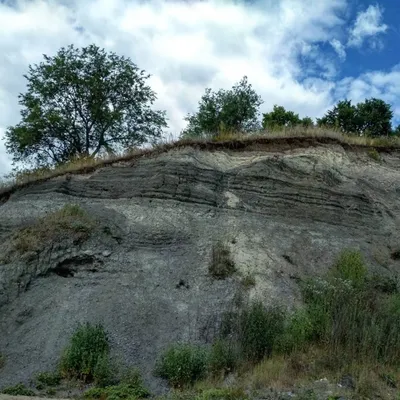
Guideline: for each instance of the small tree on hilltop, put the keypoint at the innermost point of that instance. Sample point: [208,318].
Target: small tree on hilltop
[370,118]
[82,102]
[235,109]
[280,118]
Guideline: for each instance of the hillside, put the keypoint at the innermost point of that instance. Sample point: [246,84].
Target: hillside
[136,255]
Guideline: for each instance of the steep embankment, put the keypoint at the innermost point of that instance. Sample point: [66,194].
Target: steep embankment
[140,265]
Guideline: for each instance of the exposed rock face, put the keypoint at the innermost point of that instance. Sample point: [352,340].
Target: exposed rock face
[143,273]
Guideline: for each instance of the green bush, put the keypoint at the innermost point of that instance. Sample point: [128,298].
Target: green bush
[122,391]
[223,357]
[48,379]
[297,333]
[18,390]
[102,373]
[258,330]
[182,364]
[86,355]
[350,266]
[223,394]
[222,265]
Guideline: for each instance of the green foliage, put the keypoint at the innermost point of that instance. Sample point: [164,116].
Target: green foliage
[222,394]
[350,266]
[18,390]
[224,357]
[280,118]
[221,265]
[86,355]
[48,379]
[258,331]
[102,373]
[182,364]
[297,332]
[373,153]
[369,118]
[233,110]
[117,392]
[83,102]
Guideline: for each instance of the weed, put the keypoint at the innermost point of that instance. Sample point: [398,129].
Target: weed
[86,356]
[222,394]
[258,330]
[350,266]
[374,154]
[117,392]
[248,281]
[18,390]
[48,379]
[224,357]
[51,392]
[69,221]
[222,265]
[182,365]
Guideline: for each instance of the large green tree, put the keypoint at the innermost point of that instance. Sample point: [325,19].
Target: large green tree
[279,117]
[370,118]
[83,102]
[235,109]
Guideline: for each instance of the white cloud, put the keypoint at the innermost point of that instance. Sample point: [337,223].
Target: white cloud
[186,46]
[368,25]
[339,48]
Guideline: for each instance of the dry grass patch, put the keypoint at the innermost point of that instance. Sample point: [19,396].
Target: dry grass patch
[71,221]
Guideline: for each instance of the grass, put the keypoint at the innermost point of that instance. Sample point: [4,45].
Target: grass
[221,265]
[117,392]
[86,358]
[373,153]
[18,390]
[45,379]
[296,136]
[182,365]
[71,221]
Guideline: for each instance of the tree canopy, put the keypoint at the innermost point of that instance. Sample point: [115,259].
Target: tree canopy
[235,109]
[279,117]
[370,118]
[82,102]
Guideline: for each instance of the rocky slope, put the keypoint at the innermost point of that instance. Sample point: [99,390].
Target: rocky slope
[285,213]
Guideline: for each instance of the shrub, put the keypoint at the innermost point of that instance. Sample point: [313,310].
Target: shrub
[102,373]
[223,394]
[224,357]
[373,153]
[222,265]
[182,364]
[86,355]
[259,328]
[122,391]
[350,266]
[48,379]
[18,390]
[69,221]
[297,333]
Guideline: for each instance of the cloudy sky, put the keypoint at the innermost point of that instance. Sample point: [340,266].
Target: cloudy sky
[302,54]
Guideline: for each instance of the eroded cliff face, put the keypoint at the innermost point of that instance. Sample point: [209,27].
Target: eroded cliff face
[143,271]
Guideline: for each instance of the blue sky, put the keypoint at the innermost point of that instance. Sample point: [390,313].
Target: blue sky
[302,54]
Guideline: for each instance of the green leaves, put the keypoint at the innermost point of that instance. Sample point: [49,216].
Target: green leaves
[370,118]
[234,109]
[81,102]
[279,118]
